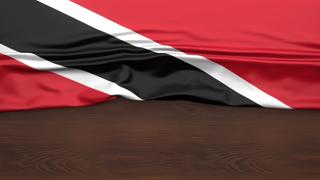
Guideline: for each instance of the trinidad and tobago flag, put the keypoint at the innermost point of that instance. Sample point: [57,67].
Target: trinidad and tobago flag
[62,53]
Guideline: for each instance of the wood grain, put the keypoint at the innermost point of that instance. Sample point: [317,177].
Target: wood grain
[163,140]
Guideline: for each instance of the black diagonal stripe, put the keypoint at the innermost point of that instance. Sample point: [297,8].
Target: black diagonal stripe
[29,26]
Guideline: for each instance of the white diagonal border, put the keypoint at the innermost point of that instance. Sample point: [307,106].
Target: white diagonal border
[79,76]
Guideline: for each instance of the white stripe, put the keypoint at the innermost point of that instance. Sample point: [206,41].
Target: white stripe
[79,76]
[213,69]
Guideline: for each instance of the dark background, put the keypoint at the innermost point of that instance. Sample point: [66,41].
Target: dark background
[160,140]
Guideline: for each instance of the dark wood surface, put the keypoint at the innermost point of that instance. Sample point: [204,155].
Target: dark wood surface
[160,141]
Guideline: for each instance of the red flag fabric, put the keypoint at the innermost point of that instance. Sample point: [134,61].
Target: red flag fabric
[72,53]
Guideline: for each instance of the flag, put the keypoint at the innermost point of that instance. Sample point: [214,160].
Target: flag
[62,53]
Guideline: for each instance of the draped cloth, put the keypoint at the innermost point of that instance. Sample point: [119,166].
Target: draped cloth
[61,53]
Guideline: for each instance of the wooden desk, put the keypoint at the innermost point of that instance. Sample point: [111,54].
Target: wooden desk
[174,140]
